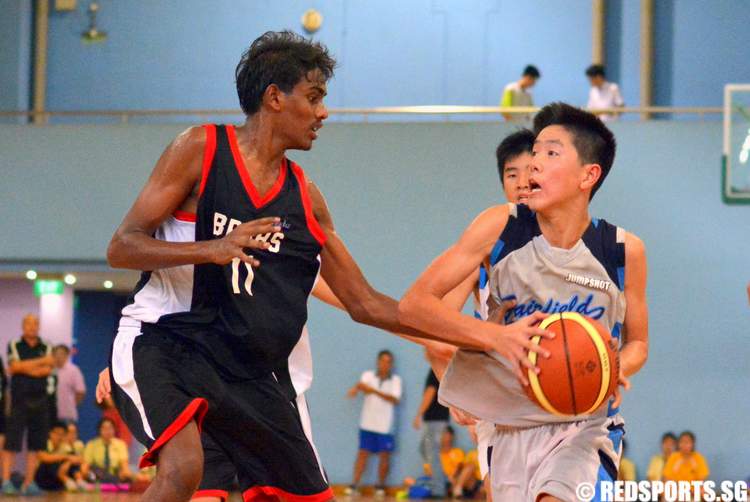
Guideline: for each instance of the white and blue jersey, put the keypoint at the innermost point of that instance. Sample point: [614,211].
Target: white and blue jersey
[588,279]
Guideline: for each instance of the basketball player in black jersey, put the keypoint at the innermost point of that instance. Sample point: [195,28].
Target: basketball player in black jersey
[216,361]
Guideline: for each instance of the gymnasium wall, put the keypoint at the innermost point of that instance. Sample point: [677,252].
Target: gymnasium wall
[399,194]
[174,54]
[15,55]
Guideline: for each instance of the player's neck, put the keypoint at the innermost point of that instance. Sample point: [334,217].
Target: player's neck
[258,145]
[563,227]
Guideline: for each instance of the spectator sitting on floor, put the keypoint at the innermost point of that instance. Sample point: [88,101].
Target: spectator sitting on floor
[71,438]
[59,467]
[657,463]
[121,429]
[107,455]
[627,471]
[461,470]
[686,464]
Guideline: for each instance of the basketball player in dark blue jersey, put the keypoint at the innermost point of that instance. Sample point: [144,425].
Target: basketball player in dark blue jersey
[215,360]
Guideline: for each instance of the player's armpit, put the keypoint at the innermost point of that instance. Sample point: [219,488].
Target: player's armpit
[174,177]
[634,351]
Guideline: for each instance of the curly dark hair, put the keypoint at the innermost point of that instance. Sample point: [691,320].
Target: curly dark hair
[282,58]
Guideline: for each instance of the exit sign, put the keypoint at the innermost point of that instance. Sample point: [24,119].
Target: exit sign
[47,287]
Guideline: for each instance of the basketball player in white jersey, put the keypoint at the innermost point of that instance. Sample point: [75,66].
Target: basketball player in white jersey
[539,457]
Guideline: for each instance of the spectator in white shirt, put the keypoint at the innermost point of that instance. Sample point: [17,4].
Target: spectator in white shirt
[602,94]
[382,390]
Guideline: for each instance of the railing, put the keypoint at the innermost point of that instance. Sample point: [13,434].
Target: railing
[447,111]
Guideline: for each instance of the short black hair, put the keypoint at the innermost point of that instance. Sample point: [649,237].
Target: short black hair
[521,141]
[593,141]
[102,421]
[278,57]
[668,435]
[688,434]
[385,352]
[62,346]
[531,71]
[58,425]
[595,70]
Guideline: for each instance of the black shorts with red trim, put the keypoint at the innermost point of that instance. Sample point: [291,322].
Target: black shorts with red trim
[253,423]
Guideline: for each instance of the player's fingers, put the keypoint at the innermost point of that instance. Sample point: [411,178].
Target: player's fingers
[533,347]
[625,382]
[259,226]
[254,243]
[521,375]
[267,222]
[532,331]
[248,258]
[617,400]
[535,318]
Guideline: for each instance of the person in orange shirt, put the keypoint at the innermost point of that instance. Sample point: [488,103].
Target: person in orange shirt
[686,464]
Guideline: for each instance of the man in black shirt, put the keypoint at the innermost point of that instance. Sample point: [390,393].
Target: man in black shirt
[432,418]
[30,363]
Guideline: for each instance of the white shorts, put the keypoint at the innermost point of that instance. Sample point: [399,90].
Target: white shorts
[485,433]
[554,459]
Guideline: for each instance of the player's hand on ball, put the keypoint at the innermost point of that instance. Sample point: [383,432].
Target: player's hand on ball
[514,343]
[625,383]
[233,244]
[103,386]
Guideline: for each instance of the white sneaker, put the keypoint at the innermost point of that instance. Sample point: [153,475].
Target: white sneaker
[351,491]
[380,493]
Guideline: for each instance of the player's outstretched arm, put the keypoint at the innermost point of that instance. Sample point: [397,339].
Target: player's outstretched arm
[634,351]
[421,306]
[363,303]
[174,181]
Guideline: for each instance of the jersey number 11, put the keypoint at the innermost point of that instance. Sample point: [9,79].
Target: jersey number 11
[236,277]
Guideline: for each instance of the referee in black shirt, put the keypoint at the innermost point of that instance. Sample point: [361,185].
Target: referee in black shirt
[30,363]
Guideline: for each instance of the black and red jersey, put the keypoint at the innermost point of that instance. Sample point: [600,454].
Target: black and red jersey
[246,319]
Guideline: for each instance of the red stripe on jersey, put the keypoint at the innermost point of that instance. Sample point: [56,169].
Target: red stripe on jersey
[195,410]
[239,163]
[184,216]
[220,494]
[208,155]
[257,493]
[312,223]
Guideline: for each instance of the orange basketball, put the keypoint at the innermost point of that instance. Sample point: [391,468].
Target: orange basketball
[581,373]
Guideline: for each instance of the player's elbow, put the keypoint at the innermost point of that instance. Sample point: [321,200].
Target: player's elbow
[407,308]
[116,252]
[359,312]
